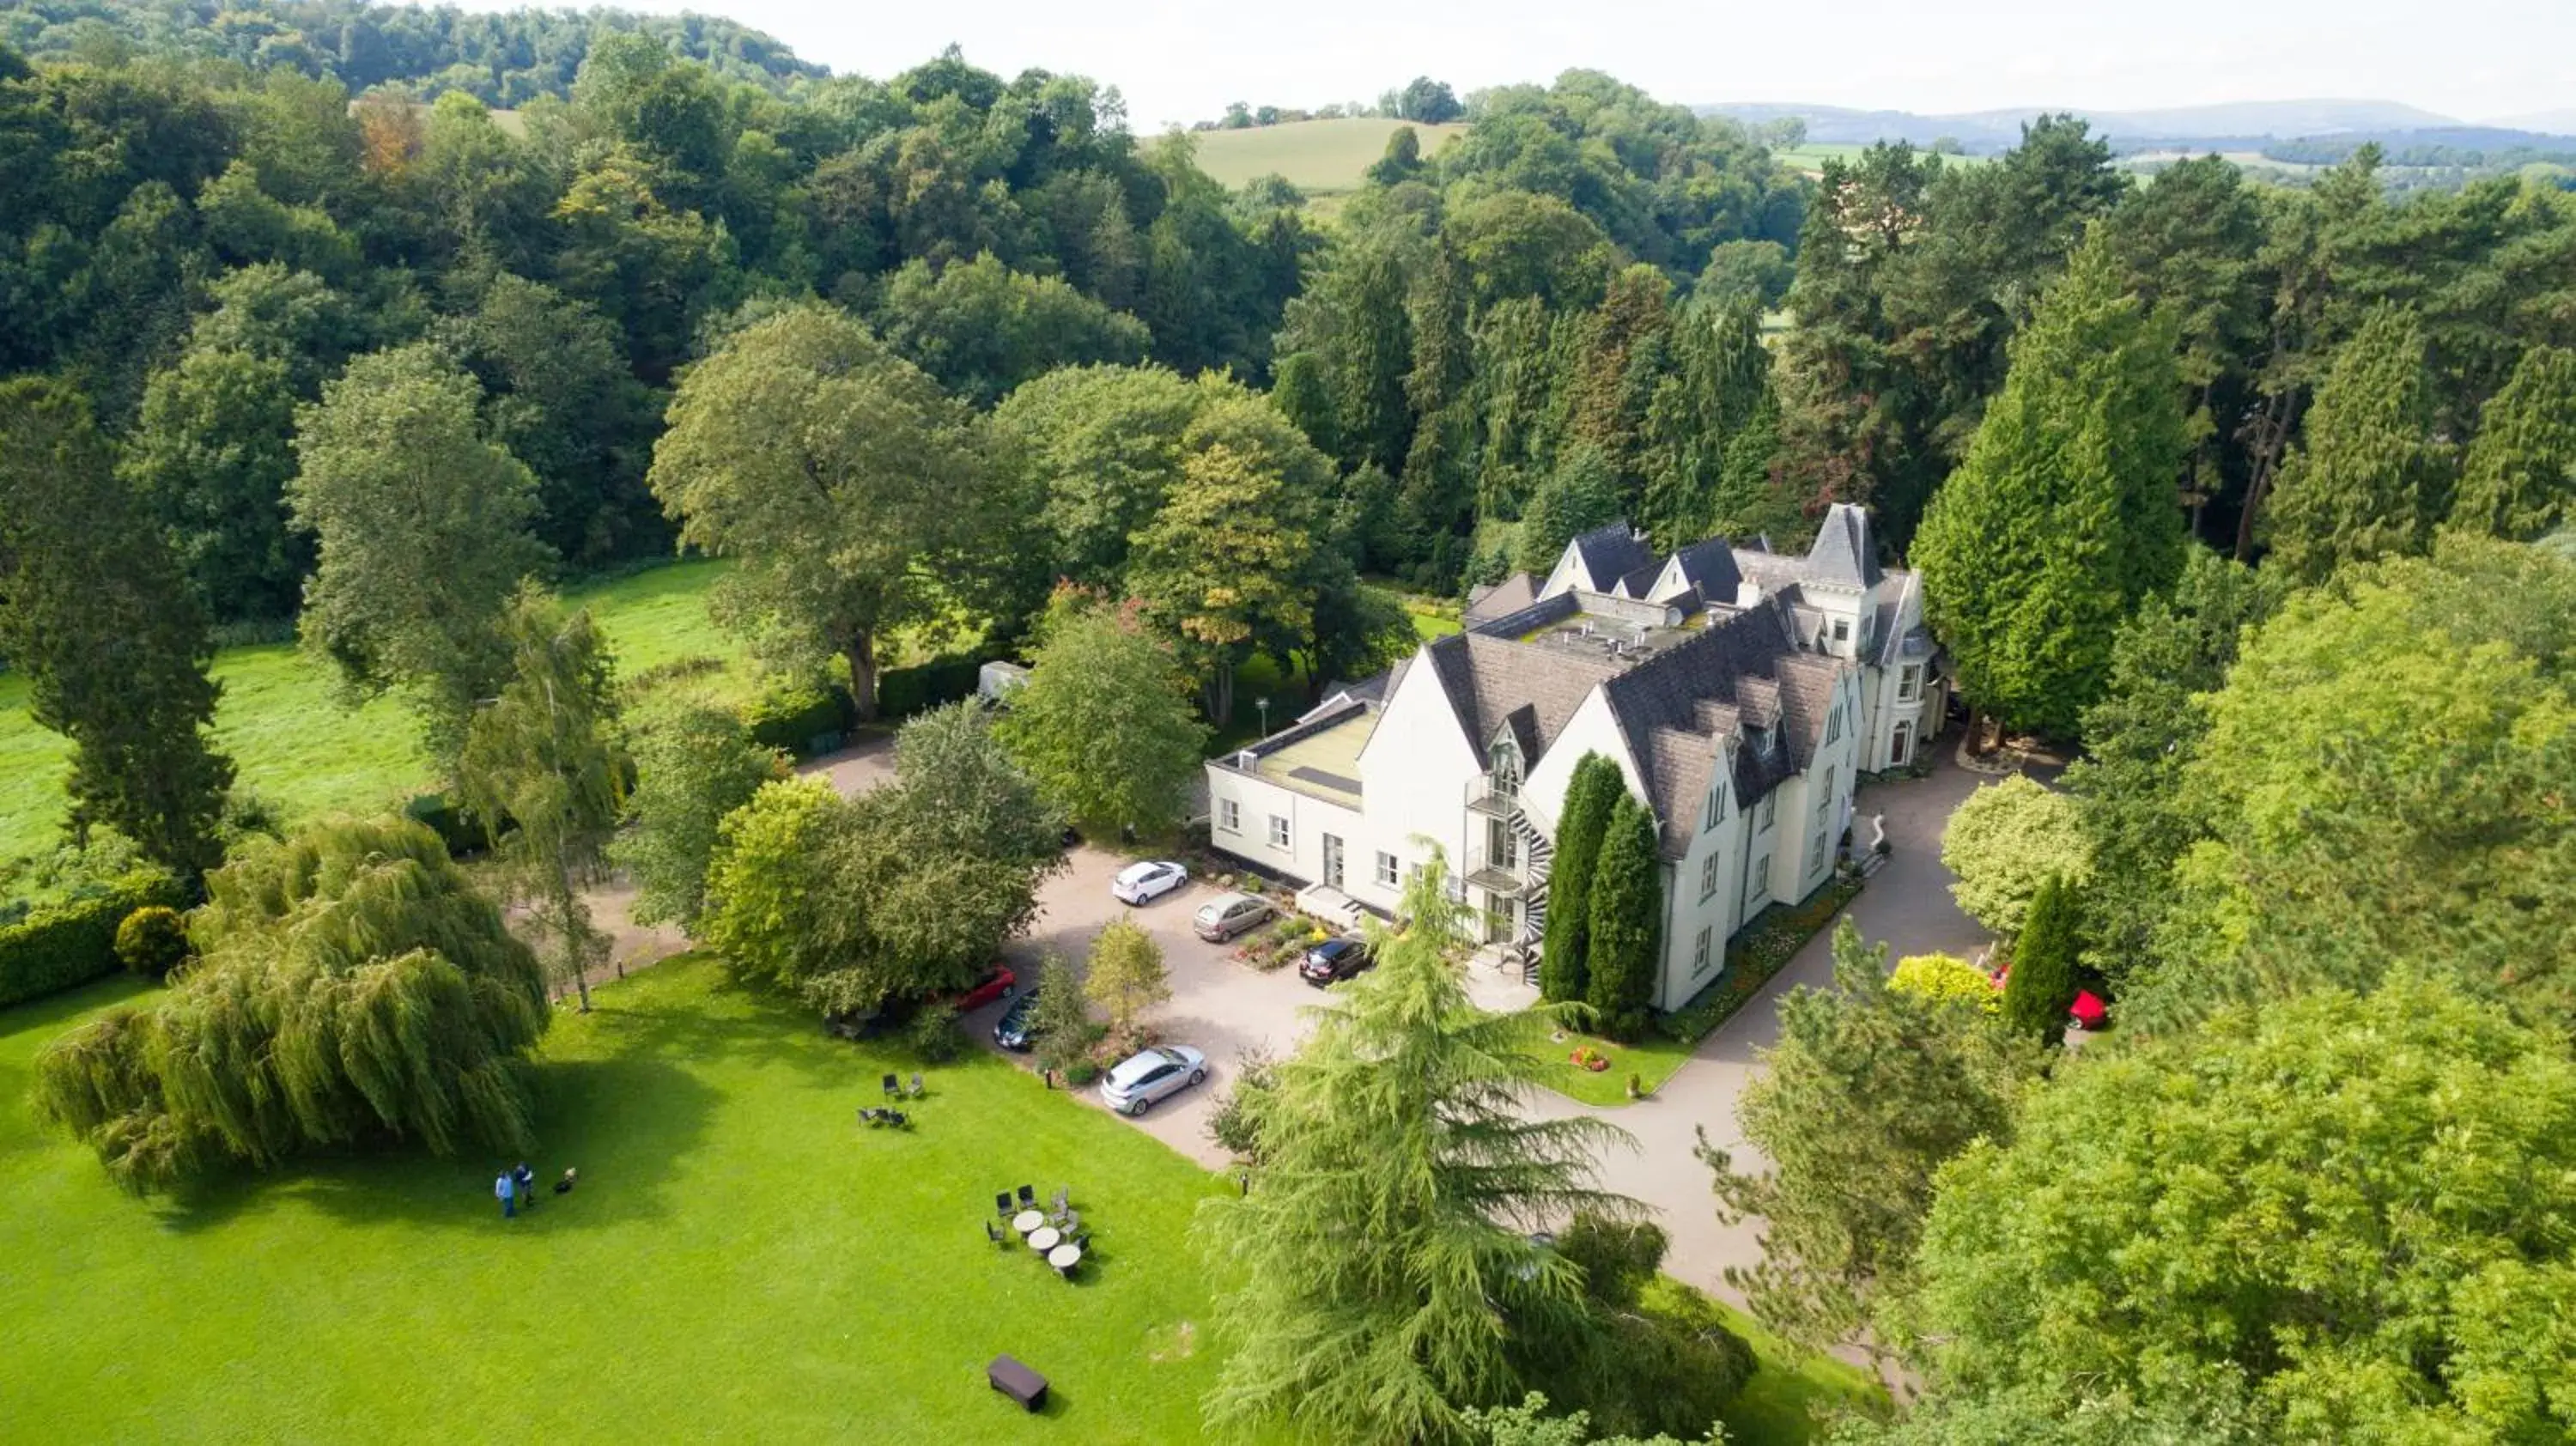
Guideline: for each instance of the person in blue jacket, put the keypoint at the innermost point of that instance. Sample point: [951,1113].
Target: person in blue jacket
[507,1191]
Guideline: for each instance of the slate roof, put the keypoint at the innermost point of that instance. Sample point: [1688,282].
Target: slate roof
[1709,567]
[1612,552]
[1494,681]
[1843,552]
[1737,676]
[1502,599]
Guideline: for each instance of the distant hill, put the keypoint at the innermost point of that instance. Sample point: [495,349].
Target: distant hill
[1995,130]
[2560,122]
[1319,157]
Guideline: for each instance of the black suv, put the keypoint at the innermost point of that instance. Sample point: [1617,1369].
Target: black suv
[1333,961]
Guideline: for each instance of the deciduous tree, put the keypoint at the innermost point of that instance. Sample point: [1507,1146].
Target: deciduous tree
[837,474]
[694,764]
[2005,841]
[1126,977]
[1104,724]
[2335,1212]
[352,987]
[1219,567]
[544,768]
[421,523]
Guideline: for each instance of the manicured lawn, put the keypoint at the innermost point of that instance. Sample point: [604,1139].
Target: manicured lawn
[296,743]
[1319,157]
[1652,1059]
[741,1262]
[1780,1403]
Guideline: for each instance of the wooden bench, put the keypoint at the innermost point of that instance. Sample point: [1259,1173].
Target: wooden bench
[1018,1382]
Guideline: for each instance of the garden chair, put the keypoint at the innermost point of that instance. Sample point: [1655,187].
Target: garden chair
[918,1088]
[1028,1197]
[1070,1225]
[1002,1203]
[893,1091]
[994,1234]
[870,1116]
[1063,1201]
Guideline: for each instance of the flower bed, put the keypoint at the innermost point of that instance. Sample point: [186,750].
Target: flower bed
[1758,953]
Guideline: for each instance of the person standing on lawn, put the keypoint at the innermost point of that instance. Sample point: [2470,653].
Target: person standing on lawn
[524,1184]
[507,1191]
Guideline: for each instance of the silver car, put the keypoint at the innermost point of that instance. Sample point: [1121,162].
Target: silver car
[1227,915]
[1150,1075]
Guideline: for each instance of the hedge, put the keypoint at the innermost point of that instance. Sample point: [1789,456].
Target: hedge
[58,946]
[800,720]
[902,692]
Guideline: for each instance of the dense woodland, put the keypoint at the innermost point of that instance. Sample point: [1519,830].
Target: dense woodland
[2257,497]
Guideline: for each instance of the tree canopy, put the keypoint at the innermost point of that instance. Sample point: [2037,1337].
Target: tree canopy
[351,986]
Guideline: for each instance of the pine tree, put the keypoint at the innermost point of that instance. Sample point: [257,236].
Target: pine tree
[94,611]
[1626,907]
[2041,986]
[2361,485]
[1594,788]
[1714,394]
[2064,513]
[1383,1271]
[2519,481]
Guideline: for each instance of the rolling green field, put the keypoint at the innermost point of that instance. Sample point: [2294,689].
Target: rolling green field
[1811,158]
[1321,158]
[742,1261]
[295,742]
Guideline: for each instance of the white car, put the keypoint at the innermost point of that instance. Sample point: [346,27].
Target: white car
[1141,1079]
[1138,883]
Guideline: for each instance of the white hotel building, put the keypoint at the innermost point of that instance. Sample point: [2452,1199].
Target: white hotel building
[1739,691]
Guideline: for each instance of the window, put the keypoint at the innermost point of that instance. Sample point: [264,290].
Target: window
[1505,765]
[1816,854]
[1699,954]
[1909,684]
[1842,630]
[1708,875]
[1278,832]
[1332,862]
[1757,885]
[1900,750]
[1770,810]
[1825,790]
[1386,874]
[1716,803]
[1229,815]
[1834,723]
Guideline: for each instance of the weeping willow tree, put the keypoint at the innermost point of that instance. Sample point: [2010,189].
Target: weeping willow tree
[544,756]
[350,985]
[1384,1279]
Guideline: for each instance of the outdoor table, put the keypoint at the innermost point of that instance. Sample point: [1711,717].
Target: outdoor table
[1043,1239]
[1065,1256]
[1027,1220]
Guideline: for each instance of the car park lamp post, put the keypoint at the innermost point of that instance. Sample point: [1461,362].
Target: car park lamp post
[1263,704]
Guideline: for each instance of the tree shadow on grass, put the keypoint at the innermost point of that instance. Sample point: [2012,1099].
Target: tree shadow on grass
[619,1121]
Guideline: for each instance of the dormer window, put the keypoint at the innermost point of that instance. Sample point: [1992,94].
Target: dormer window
[1505,765]
[1842,631]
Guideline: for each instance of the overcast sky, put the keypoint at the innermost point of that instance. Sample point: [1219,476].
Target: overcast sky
[2471,59]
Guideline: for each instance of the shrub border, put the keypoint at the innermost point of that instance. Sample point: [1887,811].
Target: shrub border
[1756,956]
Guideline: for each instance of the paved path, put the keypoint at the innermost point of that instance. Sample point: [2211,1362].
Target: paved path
[1907,903]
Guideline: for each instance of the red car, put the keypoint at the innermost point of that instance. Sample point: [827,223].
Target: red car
[997,981]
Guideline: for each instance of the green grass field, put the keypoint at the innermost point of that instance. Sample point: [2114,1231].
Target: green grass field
[741,1262]
[1321,158]
[295,742]
[1811,158]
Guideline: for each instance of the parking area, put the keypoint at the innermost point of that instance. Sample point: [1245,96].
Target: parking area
[1219,1007]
